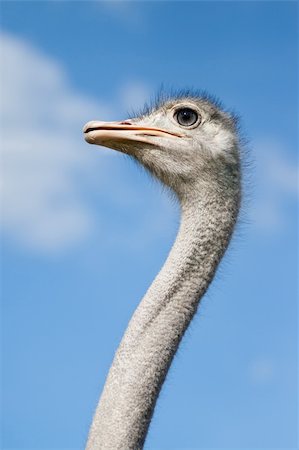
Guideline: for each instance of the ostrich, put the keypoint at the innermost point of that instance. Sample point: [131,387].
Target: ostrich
[189,143]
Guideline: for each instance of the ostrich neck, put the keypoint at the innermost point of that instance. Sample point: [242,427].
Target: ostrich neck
[141,363]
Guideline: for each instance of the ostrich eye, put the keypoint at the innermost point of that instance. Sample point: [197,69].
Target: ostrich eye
[186,117]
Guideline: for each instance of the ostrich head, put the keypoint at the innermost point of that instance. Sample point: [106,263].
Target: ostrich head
[183,141]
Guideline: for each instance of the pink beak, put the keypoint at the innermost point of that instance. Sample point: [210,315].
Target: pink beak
[110,133]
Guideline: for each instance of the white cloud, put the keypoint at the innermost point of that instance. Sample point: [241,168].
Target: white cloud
[275,183]
[42,149]
[283,172]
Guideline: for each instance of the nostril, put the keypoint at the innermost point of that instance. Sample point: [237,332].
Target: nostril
[125,123]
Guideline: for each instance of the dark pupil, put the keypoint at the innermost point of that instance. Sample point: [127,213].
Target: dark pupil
[187,116]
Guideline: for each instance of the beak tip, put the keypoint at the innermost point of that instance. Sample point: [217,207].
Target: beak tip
[89,139]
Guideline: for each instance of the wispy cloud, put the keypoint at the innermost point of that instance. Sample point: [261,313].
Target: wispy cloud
[128,13]
[43,150]
[275,183]
[134,94]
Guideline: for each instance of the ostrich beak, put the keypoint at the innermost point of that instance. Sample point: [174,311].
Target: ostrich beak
[114,134]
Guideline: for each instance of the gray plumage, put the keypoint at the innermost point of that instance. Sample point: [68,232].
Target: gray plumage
[199,161]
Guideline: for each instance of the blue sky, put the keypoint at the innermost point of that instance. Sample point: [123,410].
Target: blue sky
[84,231]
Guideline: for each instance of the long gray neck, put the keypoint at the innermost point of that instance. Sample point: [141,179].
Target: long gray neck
[141,363]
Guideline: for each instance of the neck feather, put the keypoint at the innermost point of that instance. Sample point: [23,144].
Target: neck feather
[141,363]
